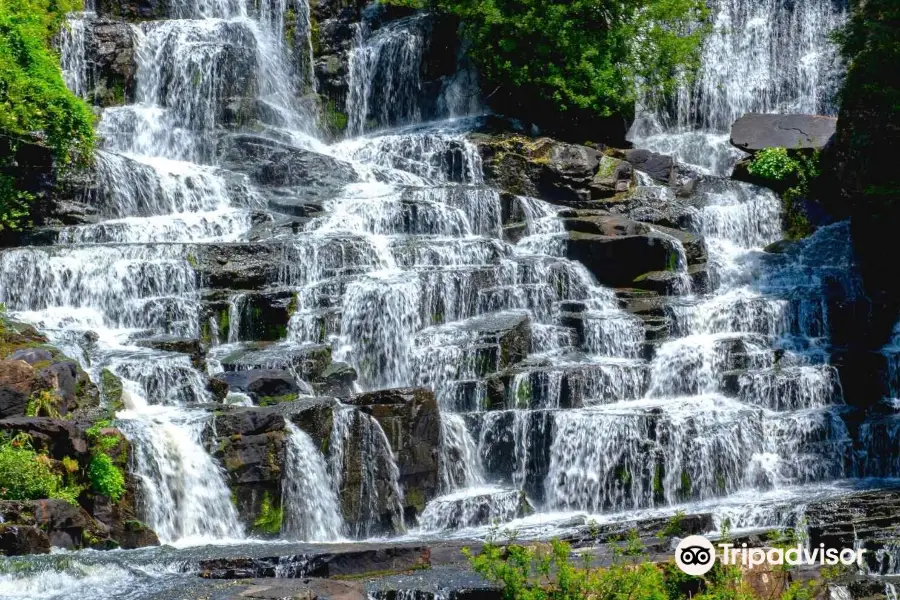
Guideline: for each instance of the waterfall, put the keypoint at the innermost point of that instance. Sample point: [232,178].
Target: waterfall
[359,447]
[182,490]
[416,273]
[788,64]
[72,54]
[311,509]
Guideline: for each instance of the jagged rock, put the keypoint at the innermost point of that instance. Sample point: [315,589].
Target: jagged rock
[309,177]
[18,540]
[133,10]
[308,361]
[336,380]
[261,384]
[613,176]
[18,380]
[616,260]
[542,168]
[67,526]
[667,283]
[263,315]
[112,65]
[755,131]
[412,422]
[658,166]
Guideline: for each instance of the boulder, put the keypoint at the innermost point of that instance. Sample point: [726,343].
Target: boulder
[18,380]
[541,168]
[336,380]
[18,540]
[56,437]
[613,176]
[411,421]
[305,178]
[658,166]
[754,131]
[261,383]
[31,355]
[626,252]
[307,361]
[67,526]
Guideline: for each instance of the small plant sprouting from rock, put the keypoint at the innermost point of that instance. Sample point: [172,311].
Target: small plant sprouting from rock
[774,164]
[270,517]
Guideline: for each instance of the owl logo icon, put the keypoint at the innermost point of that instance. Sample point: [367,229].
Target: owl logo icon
[695,555]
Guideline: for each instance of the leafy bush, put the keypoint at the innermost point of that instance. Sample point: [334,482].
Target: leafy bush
[773,163]
[105,477]
[580,55]
[34,100]
[27,475]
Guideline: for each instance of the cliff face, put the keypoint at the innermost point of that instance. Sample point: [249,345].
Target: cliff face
[862,171]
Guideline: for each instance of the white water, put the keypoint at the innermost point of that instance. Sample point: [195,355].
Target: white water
[311,507]
[407,275]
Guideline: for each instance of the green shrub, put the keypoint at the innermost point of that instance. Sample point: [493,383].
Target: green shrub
[34,100]
[773,163]
[27,475]
[105,477]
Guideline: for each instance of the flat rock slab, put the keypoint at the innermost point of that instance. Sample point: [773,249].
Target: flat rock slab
[755,131]
[308,589]
[349,561]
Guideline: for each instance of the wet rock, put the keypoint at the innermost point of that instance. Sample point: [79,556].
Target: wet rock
[237,266]
[667,283]
[261,384]
[67,526]
[308,361]
[411,421]
[613,176]
[541,168]
[458,510]
[18,380]
[112,65]
[355,560]
[336,380]
[866,520]
[133,10]
[658,166]
[616,260]
[306,589]
[755,131]
[18,540]
[309,178]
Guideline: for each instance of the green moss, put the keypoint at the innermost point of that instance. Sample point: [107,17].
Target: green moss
[224,324]
[685,489]
[335,121]
[272,400]
[292,305]
[270,517]
[415,498]
[524,393]
[111,388]
[28,475]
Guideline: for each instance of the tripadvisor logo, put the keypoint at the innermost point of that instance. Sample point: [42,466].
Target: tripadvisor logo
[695,555]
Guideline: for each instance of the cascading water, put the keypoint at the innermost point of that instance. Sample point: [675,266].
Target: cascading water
[410,274]
[788,64]
[311,509]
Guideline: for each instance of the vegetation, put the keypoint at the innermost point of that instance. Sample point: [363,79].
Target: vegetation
[27,475]
[105,477]
[540,572]
[793,173]
[588,57]
[35,104]
[270,516]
